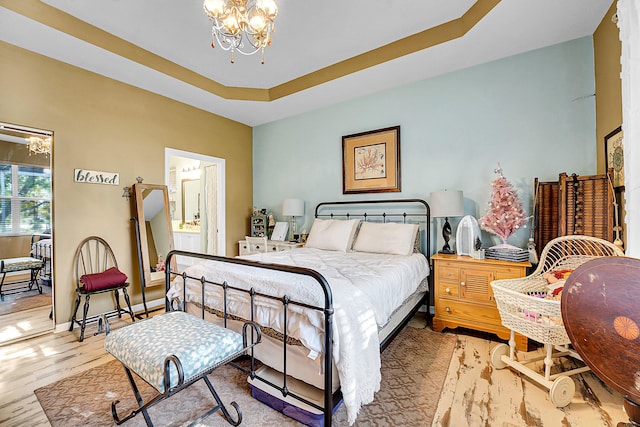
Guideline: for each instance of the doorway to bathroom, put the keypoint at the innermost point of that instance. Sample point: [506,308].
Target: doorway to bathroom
[196,184]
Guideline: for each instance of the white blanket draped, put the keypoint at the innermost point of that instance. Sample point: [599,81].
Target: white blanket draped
[366,289]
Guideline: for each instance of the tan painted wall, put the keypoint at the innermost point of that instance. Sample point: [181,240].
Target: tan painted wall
[100,124]
[607,50]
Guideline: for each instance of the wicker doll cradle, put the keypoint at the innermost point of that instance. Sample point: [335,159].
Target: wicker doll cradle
[524,309]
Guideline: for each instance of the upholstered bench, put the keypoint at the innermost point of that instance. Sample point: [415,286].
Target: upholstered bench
[11,265]
[173,350]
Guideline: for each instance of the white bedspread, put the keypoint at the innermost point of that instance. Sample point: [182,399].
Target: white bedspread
[366,289]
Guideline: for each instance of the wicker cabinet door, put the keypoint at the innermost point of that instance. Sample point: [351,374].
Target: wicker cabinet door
[474,284]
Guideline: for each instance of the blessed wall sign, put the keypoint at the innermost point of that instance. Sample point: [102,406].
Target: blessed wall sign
[96,177]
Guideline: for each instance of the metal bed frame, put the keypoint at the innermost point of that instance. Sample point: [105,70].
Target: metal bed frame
[45,253]
[330,398]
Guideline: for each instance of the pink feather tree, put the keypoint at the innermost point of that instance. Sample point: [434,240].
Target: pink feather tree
[505,214]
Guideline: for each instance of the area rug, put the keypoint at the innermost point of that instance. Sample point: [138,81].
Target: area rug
[414,367]
[26,302]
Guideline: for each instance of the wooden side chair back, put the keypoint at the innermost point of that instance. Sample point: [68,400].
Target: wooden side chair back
[95,271]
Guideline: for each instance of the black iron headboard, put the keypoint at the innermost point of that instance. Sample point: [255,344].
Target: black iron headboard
[395,210]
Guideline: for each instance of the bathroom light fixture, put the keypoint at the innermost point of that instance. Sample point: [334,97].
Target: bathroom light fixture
[244,26]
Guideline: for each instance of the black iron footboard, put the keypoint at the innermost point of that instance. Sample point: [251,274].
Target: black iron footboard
[401,210]
[327,310]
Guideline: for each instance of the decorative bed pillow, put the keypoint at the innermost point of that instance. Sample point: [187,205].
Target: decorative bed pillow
[386,238]
[110,278]
[332,234]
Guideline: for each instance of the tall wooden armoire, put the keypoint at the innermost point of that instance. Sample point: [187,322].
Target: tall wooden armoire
[574,205]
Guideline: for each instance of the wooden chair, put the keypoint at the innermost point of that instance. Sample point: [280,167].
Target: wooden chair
[256,244]
[94,259]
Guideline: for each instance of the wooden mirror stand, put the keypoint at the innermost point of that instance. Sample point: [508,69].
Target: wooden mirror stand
[154,234]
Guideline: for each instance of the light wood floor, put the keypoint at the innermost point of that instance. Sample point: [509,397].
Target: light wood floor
[473,394]
[476,394]
[26,323]
[36,362]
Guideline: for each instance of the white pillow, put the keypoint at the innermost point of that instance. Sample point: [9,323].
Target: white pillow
[332,234]
[386,238]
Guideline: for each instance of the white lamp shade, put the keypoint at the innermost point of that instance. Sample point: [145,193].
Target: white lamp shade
[447,203]
[293,207]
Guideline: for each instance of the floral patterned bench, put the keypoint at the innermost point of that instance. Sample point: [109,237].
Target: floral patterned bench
[10,265]
[173,350]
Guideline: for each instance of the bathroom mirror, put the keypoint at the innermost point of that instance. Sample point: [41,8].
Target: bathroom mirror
[153,231]
[191,201]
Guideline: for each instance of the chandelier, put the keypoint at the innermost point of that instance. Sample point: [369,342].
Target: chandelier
[39,145]
[244,26]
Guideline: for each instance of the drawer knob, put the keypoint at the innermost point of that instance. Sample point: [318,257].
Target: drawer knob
[447,309]
[447,290]
[461,283]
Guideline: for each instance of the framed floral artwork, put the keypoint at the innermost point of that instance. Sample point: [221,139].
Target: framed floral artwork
[615,157]
[371,161]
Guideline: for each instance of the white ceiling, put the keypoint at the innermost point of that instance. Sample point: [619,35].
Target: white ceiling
[309,35]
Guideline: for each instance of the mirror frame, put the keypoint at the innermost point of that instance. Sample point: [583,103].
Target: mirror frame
[183,188]
[139,192]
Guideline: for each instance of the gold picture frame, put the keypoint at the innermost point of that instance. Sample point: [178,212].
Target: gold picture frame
[614,155]
[371,161]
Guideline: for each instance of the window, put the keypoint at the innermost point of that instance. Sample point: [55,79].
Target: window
[25,199]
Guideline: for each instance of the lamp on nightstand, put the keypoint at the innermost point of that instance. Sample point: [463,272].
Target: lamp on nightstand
[293,208]
[446,204]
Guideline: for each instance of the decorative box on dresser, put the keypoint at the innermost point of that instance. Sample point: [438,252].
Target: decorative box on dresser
[463,295]
[259,225]
[272,246]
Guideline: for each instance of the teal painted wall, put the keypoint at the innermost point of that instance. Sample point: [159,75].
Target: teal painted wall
[534,113]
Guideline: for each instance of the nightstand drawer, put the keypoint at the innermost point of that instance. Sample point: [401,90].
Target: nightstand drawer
[244,248]
[508,273]
[447,288]
[486,314]
[447,271]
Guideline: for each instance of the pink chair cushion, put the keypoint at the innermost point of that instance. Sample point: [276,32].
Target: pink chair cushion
[110,278]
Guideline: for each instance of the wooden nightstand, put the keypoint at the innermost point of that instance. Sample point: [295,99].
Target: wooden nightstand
[272,246]
[463,295]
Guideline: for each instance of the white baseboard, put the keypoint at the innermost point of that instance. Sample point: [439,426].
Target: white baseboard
[138,308]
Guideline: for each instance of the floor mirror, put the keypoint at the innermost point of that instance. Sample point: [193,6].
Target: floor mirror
[26,231]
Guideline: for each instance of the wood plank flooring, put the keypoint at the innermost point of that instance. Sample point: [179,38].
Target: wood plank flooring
[474,394]
[25,324]
[36,362]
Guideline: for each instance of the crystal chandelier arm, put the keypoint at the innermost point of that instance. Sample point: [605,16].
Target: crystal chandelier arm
[243,26]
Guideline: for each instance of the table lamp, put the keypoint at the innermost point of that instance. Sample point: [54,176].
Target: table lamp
[292,208]
[446,204]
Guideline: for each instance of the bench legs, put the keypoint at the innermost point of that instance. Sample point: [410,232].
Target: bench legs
[143,407]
